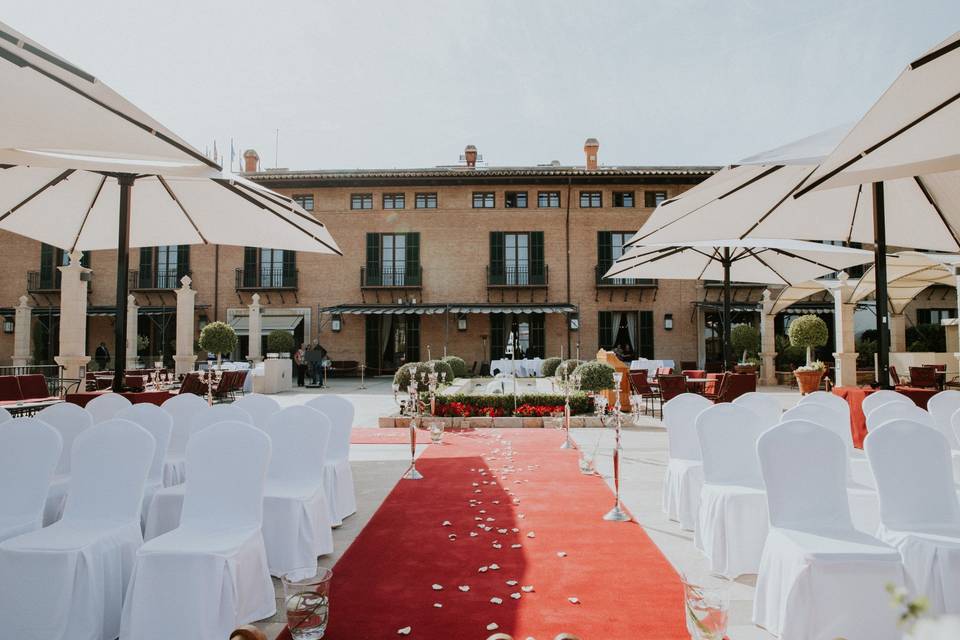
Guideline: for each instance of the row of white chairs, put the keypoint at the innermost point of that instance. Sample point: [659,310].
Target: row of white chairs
[218,547]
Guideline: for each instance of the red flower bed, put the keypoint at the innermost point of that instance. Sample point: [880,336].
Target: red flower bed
[537,410]
[464,410]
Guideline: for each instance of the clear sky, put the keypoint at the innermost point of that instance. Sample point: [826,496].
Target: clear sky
[408,83]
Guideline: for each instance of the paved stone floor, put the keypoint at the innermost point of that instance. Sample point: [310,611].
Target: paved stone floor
[377,468]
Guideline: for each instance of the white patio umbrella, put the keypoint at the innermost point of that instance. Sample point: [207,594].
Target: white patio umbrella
[908,274]
[766,261]
[54,114]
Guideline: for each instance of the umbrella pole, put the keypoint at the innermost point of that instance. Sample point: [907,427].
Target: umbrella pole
[125,181]
[726,309]
[880,271]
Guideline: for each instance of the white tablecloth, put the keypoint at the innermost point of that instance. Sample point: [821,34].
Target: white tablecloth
[650,365]
[525,367]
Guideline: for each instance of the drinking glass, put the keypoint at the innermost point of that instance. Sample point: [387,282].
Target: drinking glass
[436,431]
[306,593]
[707,609]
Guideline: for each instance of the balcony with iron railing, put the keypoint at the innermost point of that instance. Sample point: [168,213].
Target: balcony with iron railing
[40,282]
[517,276]
[267,279]
[155,279]
[605,283]
[391,277]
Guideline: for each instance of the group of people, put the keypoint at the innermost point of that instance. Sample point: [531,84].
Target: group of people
[314,364]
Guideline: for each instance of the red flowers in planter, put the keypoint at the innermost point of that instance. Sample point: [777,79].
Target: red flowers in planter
[466,410]
[537,410]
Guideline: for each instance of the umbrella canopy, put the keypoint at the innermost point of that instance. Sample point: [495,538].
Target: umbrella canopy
[909,273]
[54,114]
[912,130]
[78,210]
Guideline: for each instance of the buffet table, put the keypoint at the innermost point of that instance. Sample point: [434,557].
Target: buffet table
[855,395]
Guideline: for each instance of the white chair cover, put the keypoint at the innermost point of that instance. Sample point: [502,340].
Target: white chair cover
[942,407]
[833,401]
[67,581]
[883,396]
[732,519]
[765,405]
[5,416]
[106,406]
[181,408]
[29,450]
[919,512]
[70,420]
[338,475]
[888,411]
[163,514]
[159,423]
[210,574]
[819,577]
[259,406]
[296,519]
[683,478]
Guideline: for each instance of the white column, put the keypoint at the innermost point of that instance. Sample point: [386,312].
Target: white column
[956,275]
[21,333]
[133,312]
[701,330]
[768,344]
[186,303]
[73,319]
[898,333]
[253,348]
[845,357]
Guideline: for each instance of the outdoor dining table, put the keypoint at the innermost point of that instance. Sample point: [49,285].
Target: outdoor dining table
[135,397]
[28,407]
[525,366]
[855,395]
[697,385]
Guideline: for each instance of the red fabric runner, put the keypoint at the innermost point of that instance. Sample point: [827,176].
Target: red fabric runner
[854,397]
[624,586]
[154,397]
[387,435]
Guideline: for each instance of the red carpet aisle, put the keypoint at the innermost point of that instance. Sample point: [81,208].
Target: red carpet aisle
[373,435]
[525,549]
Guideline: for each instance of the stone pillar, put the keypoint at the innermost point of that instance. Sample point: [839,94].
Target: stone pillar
[701,330]
[956,330]
[133,312]
[186,303]
[845,357]
[898,333]
[73,319]
[768,343]
[22,324]
[253,348]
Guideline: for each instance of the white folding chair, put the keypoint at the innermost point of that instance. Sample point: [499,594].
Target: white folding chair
[68,580]
[163,513]
[159,423]
[684,475]
[181,408]
[29,450]
[819,577]
[732,518]
[883,396]
[765,405]
[338,474]
[296,519]
[259,406]
[888,411]
[70,420]
[942,407]
[831,400]
[209,575]
[106,406]
[919,512]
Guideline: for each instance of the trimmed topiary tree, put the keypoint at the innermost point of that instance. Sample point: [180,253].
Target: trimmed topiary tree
[567,367]
[595,376]
[808,332]
[280,342]
[443,369]
[746,339]
[418,369]
[459,367]
[218,338]
[550,367]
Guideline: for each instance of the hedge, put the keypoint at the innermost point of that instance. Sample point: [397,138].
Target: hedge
[550,367]
[595,376]
[580,403]
[443,370]
[458,365]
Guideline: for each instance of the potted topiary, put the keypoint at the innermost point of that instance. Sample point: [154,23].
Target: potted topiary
[566,368]
[458,366]
[443,370]
[280,342]
[808,332]
[746,339]
[595,376]
[219,338]
[549,367]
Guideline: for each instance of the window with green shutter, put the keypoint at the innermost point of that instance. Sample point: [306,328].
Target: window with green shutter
[605,330]
[413,337]
[497,261]
[412,260]
[498,337]
[250,266]
[538,270]
[645,334]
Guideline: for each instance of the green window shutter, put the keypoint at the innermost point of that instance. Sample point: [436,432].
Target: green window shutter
[374,270]
[498,335]
[497,258]
[645,334]
[923,316]
[48,266]
[538,347]
[85,259]
[183,262]
[604,249]
[373,355]
[538,269]
[289,268]
[145,273]
[413,338]
[250,255]
[605,329]
[412,259]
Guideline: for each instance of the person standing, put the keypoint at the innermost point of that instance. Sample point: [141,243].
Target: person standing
[299,364]
[102,356]
[317,365]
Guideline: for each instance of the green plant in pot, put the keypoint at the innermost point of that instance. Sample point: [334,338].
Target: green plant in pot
[280,342]
[418,370]
[809,332]
[549,367]
[458,366]
[219,338]
[746,339]
[595,376]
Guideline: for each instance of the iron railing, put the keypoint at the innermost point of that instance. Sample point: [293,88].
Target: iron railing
[601,269]
[155,279]
[388,276]
[40,281]
[517,276]
[266,279]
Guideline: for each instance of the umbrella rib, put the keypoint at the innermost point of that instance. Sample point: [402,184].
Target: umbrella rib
[767,265]
[661,253]
[759,176]
[933,55]
[280,201]
[59,178]
[776,206]
[796,256]
[174,197]
[229,187]
[943,218]
[86,214]
[856,206]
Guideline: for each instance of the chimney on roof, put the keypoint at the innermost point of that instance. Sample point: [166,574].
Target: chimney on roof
[591,148]
[470,155]
[251,161]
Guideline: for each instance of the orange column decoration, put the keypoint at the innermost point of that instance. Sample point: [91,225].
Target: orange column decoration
[610,358]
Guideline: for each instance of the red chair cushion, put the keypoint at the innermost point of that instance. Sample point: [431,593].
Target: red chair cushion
[33,386]
[10,389]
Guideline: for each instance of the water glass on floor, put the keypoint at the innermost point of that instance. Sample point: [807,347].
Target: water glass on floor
[707,609]
[306,593]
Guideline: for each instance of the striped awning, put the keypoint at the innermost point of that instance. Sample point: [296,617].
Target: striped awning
[434,309]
